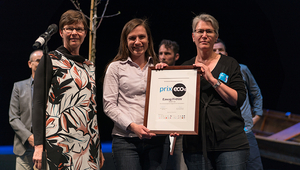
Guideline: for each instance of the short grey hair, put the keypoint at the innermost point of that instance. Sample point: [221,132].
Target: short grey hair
[206,18]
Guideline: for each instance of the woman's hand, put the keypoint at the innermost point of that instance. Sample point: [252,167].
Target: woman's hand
[141,131]
[205,71]
[161,65]
[227,93]
[37,156]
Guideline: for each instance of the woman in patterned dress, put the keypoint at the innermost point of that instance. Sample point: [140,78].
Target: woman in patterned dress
[72,136]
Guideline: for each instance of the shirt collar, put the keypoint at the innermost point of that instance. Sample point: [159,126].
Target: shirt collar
[31,80]
[129,60]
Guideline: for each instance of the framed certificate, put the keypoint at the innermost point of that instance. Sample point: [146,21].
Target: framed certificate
[172,100]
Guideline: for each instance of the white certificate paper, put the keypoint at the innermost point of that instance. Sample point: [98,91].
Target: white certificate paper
[172,100]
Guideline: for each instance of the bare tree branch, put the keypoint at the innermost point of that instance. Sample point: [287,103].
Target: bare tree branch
[77,6]
[98,2]
[109,16]
[104,10]
[93,22]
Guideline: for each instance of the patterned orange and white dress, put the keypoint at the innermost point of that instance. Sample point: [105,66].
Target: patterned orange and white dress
[72,136]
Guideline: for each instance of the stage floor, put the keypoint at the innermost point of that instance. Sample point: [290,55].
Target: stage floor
[7,160]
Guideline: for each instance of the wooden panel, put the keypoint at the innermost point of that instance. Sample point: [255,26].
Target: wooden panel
[288,133]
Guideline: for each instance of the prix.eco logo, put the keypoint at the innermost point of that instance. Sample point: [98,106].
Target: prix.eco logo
[179,90]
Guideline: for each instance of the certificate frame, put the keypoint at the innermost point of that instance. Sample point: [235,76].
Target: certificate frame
[166,113]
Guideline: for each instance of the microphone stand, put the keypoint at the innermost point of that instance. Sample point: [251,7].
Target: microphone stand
[44,154]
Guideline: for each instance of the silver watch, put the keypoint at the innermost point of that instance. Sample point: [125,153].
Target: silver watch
[217,84]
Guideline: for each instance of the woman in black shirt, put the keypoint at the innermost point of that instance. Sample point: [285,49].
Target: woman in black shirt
[222,143]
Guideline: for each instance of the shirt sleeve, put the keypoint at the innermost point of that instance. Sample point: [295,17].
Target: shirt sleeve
[254,92]
[110,98]
[237,83]
[39,96]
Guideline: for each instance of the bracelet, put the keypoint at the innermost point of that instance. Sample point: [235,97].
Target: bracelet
[217,84]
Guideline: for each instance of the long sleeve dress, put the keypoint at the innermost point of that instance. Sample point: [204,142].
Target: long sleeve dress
[72,137]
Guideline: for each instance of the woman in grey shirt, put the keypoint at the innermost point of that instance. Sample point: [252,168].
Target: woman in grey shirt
[124,94]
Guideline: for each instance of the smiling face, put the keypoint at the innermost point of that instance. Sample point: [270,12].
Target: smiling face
[137,42]
[73,40]
[204,36]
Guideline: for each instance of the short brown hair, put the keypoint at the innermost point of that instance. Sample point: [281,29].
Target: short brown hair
[170,45]
[71,17]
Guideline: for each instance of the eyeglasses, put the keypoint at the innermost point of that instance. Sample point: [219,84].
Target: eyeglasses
[70,30]
[209,32]
[37,60]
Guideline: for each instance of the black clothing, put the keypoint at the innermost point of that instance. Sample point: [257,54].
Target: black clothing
[224,125]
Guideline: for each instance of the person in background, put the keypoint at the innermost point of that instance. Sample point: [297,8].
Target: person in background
[168,53]
[20,114]
[72,135]
[254,99]
[134,147]
[222,143]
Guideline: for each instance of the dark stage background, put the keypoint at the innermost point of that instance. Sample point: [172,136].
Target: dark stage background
[263,35]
